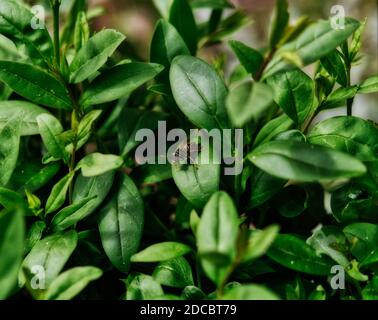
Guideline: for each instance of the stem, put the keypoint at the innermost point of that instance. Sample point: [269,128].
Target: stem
[350,100]
[55,8]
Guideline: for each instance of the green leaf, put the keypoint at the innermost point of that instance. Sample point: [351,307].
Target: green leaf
[318,294]
[181,17]
[95,164]
[143,287]
[58,193]
[193,293]
[370,292]
[94,54]
[199,92]
[11,249]
[349,134]
[161,252]
[213,4]
[175,273]
[250,292]
[313,43]
[250,58]
[339,97]
[152,173]
[166,44]
[50,128]
[363,238]
[68,32]
[130,122]
[273,128]
[119,81]
[198,181]
[259,242]
[369,85]
[217,236]
[335,66]
[293,253]
[263,187]
[84,131]
[34,235]
[294,92]
[280,21]
[247,101]
[87,195]
[300,161]
[121,224]
[50,253]
[35,84]
[82,32]
[9,148]
[28,111]
[71,282]
[10,199]
[163,7]
[16,23]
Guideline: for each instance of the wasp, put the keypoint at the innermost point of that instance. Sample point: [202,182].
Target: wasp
[186,152]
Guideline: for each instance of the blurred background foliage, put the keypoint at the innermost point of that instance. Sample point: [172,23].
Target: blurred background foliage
[137,18]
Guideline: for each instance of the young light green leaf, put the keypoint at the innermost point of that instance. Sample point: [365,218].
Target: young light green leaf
[339,97]
[96,164]
[280,21]
[259,242]
[181,17]
[143,287]
[118,82]
[9,148]
[349,134]
[29,112]
[161,252]
[369,85]
[71,282]
[247,101]
[199,92]
[304,162]
[250,292]
[51,254]
[318,294]
[250,58]
[35,84]
[93,55]
[294,93]
[316,41]
[121,224]
[293,253]
[217,236]
[84,131]
[175,273]
[50,128]
[58,193]
[11,249]
[82,32]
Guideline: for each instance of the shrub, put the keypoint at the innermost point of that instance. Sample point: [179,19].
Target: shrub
[296,219]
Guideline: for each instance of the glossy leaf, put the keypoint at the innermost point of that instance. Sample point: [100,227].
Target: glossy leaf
[217,235]
[161,252]
[250,58]
[50,253]
[369,85]
[293,253]
[250,292]
[35,84]
[247,101]
[175,273]
[119,81]
[199,92]
[93,55]
[29,112]
[143,287]
[304,162]
[280,21]
[294,93]
[96,164]
[58,193]
[121,224]
[71,282]
[349,134]
[11,249]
